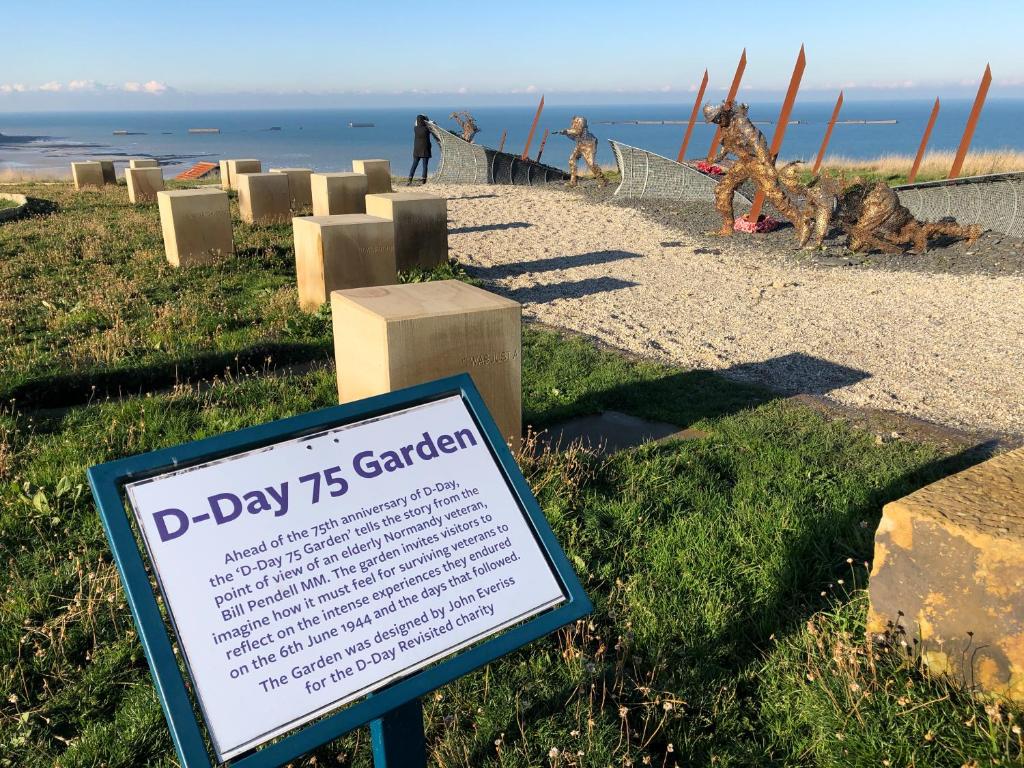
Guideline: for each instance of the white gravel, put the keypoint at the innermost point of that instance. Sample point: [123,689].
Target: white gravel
[945,348]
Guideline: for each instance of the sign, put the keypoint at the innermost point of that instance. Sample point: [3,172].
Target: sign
[304,571]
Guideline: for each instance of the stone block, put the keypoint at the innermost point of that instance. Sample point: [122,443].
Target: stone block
[196,224]
[949,572]
[421,226]
[337,252]
[396,336]
[338,193]
[378,174]
[263,198]
[144,183]
[229,168]
[298,186]
[109,173]
[143,162]
[88,174]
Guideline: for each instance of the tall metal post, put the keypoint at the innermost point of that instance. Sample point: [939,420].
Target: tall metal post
[693,118]
[529,139]
[501,144]
[972,123]
[780,128]
[397,738]
[733,90]
[924,143]
[828,133]
[543,141]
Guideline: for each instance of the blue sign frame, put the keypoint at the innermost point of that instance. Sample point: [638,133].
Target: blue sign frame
[108,481]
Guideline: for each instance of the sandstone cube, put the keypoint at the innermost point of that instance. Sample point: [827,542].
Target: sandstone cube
[298,186]
[950,559]
[230,168]
[396,336]
[143,162]
[144,183]
[196,225]
[421,226]
[109,174]
[337,252]
[88,174]
[338,193]
[378,174]
[263,197]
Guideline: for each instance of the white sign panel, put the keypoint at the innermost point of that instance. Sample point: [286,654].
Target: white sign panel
[308,573]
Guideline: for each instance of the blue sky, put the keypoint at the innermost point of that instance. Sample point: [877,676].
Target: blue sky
[224,53]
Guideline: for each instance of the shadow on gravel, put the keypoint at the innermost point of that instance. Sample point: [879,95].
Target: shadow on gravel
[490,227]
[552,264]
[66,390]
[570,289]
[813,375]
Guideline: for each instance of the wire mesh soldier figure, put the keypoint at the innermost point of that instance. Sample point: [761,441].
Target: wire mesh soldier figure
[467,124]
[586,147]
[754,161]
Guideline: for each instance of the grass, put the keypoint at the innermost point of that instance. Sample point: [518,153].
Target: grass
[894,169]
[99,310]
[727,572]
[5,203]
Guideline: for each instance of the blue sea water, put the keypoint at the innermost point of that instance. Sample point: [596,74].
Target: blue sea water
[322,139]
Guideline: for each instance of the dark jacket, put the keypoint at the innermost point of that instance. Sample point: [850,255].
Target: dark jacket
[421,144]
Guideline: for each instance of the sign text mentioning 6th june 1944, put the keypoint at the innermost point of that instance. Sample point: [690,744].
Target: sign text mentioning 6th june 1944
[305,574]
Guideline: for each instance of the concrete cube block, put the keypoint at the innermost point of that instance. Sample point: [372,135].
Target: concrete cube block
[421,226]
[263,198]
[949,572]
[196,224]
[143,162]
[298,186]
[337,252]
[396,336]
[144,183]
[378,174]
[338,193]
[87,174]
[229,168]
[109,173]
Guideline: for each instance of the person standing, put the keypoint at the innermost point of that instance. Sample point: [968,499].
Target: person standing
[420,147]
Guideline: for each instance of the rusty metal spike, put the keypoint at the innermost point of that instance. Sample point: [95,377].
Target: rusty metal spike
[924,143]
[972,123]
[780,128]
[733,90]
[828,133]
[693,118]
[543,141]
[529,139]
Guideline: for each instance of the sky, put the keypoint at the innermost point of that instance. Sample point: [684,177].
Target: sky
[218,54]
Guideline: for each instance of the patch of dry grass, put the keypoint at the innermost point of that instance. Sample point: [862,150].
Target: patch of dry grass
[935,165]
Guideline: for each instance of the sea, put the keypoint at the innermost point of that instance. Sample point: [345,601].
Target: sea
[329,139]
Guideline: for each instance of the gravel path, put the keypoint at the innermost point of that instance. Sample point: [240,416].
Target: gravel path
[948,348]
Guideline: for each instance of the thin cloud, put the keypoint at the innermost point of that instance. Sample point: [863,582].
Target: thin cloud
[52,86]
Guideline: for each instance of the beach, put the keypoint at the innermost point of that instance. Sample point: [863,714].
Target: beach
[937,346]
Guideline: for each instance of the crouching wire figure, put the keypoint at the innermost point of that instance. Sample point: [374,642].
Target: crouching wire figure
[586,147]
[467,124]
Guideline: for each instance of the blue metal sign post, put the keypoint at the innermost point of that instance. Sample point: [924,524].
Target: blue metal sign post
[394,712]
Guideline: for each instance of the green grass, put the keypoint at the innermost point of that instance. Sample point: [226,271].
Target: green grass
[99,310]
[6,203]
[727,572]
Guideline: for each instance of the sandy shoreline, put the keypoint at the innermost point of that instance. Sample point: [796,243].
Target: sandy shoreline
[941,347]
